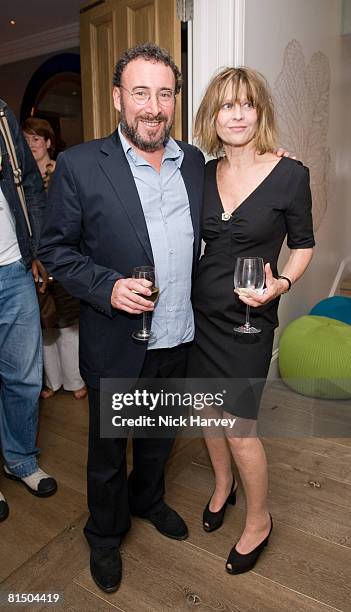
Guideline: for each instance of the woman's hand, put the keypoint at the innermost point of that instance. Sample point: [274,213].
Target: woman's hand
[274,288]
[294,269]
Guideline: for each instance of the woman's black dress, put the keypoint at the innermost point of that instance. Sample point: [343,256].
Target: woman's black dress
[279,206]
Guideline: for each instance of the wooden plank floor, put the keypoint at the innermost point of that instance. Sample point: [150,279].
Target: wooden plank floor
[307,565]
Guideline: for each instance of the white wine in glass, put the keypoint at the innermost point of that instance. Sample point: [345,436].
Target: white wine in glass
[248,275]
[147,273]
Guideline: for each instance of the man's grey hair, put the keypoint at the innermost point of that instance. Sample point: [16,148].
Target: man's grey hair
[149,52]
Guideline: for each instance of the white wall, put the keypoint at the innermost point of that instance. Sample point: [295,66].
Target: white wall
[263,28]
[316,24]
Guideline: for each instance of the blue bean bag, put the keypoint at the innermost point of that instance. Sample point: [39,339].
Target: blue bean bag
[336,307]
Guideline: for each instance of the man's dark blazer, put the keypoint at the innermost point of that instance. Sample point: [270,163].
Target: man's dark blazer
[95,233]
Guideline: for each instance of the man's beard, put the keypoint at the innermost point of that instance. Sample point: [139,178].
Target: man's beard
[131,131]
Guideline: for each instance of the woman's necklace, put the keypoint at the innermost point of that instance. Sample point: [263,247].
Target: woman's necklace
[226,215]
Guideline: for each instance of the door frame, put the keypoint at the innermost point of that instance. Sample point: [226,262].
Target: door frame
[216,39]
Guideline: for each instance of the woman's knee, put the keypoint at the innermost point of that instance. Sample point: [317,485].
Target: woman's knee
[243,437]
[238,444]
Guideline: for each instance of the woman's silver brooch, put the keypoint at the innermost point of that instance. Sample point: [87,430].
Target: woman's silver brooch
[226,215]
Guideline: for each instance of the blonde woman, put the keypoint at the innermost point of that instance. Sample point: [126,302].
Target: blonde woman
[253,200]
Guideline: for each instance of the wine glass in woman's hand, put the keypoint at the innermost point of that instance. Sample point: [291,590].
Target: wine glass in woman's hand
[249,275]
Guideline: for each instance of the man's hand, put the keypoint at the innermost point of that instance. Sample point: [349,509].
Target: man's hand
[282,153]
[127,295]
[39,270]
[274,288]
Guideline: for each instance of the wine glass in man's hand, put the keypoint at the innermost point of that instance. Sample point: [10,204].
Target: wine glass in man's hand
[146,273]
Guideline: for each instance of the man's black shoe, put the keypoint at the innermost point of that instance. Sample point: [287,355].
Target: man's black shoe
[4,508]
[168,522]
[106,567]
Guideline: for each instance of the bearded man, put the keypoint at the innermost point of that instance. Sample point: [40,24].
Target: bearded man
[133,199]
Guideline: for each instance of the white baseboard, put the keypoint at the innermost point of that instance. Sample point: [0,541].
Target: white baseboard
[274,367]
[344,266]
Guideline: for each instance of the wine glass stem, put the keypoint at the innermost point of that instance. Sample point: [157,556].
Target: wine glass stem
[145,322]
[247,322]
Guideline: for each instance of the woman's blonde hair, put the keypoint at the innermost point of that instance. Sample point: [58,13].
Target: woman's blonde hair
[257,92]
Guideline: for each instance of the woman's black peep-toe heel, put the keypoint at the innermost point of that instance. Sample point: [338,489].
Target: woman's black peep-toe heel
[213,520]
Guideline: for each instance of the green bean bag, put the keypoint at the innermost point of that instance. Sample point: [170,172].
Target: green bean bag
[315,357]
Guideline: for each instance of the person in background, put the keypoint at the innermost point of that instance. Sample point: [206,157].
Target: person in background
[40,138]
[60,343]
[20,335]
[252,201]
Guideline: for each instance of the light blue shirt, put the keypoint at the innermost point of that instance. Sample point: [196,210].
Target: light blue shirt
[165,204]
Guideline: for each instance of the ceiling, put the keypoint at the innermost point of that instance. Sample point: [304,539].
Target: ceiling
[35,16]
